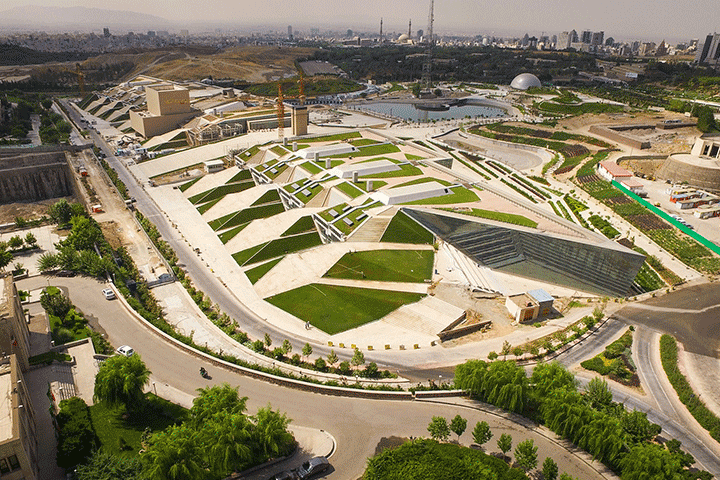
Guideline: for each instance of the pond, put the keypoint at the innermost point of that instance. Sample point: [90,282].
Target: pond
[408,111]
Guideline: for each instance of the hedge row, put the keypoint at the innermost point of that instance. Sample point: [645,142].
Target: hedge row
[707,419]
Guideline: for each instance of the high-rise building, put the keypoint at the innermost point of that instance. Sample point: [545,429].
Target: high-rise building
[709,51]
[563,41]
[586,37]
[106,32]
[597,38]
[574,36]
[290,32]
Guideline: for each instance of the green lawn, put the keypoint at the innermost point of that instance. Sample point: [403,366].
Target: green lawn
[458,195]
[276,248]
[228,235]
[349,189]
[311,167]
[370,151]
[256,273]
[241,176]
[270,196]
[403,229]
[406,170]
[111,425]
[304,224]
[385,265]
[418,181]
[334,138]
[247,215]
[189,184]
[499,216]
[220,192]
[207,206]
[334,309]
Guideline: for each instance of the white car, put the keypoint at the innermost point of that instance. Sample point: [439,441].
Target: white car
[109,294]
[126,350]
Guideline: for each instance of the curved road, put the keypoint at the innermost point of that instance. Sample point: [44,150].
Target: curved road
[357,424]
[354,421]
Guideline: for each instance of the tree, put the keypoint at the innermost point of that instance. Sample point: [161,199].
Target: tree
[268,340]
[47,261]
[598,393]
[481,433]
[526,455]
[55,302]
[60,212]
[547,377]
[106,466]
[15,242]
[332,357]
[5,257]
[77,438]
[84,234]
[492,356]
[549,469]
[30,239]
[307,350]
[174,454]
[271,432]
[320,364]
[506,348]
[439,428]
[416,88]
[286,346]
[121,380]
[458,425]
[213,400]
[358,358]
[504,443]
[567,476]
[648,460]
[638,427]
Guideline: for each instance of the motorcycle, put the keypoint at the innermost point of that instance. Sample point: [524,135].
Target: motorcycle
[204,373]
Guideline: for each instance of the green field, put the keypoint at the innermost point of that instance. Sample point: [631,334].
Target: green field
[276,248]
[246,215]
[403,229]
[349,189]
[305,224]
[385,265]
[334,309]
[256,273]
[111,423]
[220,192]
[499,217]
[228,235]
[270,196]
[458,195]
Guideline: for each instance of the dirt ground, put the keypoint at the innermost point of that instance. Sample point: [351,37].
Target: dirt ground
[27,210]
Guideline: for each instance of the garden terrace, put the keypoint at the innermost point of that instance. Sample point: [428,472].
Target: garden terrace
[334,309]
[385,266]
[277,248]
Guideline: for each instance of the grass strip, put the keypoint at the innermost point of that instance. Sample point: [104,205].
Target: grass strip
[256,273]
[669,357]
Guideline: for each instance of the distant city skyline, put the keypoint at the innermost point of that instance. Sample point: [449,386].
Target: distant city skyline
[649,19]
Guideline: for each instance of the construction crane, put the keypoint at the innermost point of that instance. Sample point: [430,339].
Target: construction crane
[280,112]
[281,104]
[81,79]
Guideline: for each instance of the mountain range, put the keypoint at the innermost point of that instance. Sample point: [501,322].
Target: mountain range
[33,17]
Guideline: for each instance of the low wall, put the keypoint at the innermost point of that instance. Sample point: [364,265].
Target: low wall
[613,133]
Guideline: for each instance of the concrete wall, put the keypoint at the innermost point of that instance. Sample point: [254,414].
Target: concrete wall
[35,176]
[615,135]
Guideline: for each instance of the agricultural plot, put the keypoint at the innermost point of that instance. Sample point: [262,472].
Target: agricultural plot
[334,309]
[385,265]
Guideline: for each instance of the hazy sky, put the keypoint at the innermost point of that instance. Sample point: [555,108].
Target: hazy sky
[658,19]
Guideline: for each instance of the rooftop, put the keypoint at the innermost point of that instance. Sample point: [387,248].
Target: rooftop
[615,169]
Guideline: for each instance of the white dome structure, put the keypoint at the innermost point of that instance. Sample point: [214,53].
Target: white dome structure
[525,81]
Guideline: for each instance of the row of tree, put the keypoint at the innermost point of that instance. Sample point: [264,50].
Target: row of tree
[525,453]
[590,419]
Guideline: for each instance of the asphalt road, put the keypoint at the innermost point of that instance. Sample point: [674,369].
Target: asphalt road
[357,424]
[691,314]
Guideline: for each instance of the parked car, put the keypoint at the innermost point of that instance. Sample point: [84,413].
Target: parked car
[312,467]
[126,350]
[65,273]
[109,294]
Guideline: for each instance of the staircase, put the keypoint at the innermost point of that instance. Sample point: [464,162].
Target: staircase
[372,230]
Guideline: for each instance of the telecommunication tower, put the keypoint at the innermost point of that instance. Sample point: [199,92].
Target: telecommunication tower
[427,66]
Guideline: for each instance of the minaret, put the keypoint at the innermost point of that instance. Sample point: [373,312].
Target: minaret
[381,35]
[410,29]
